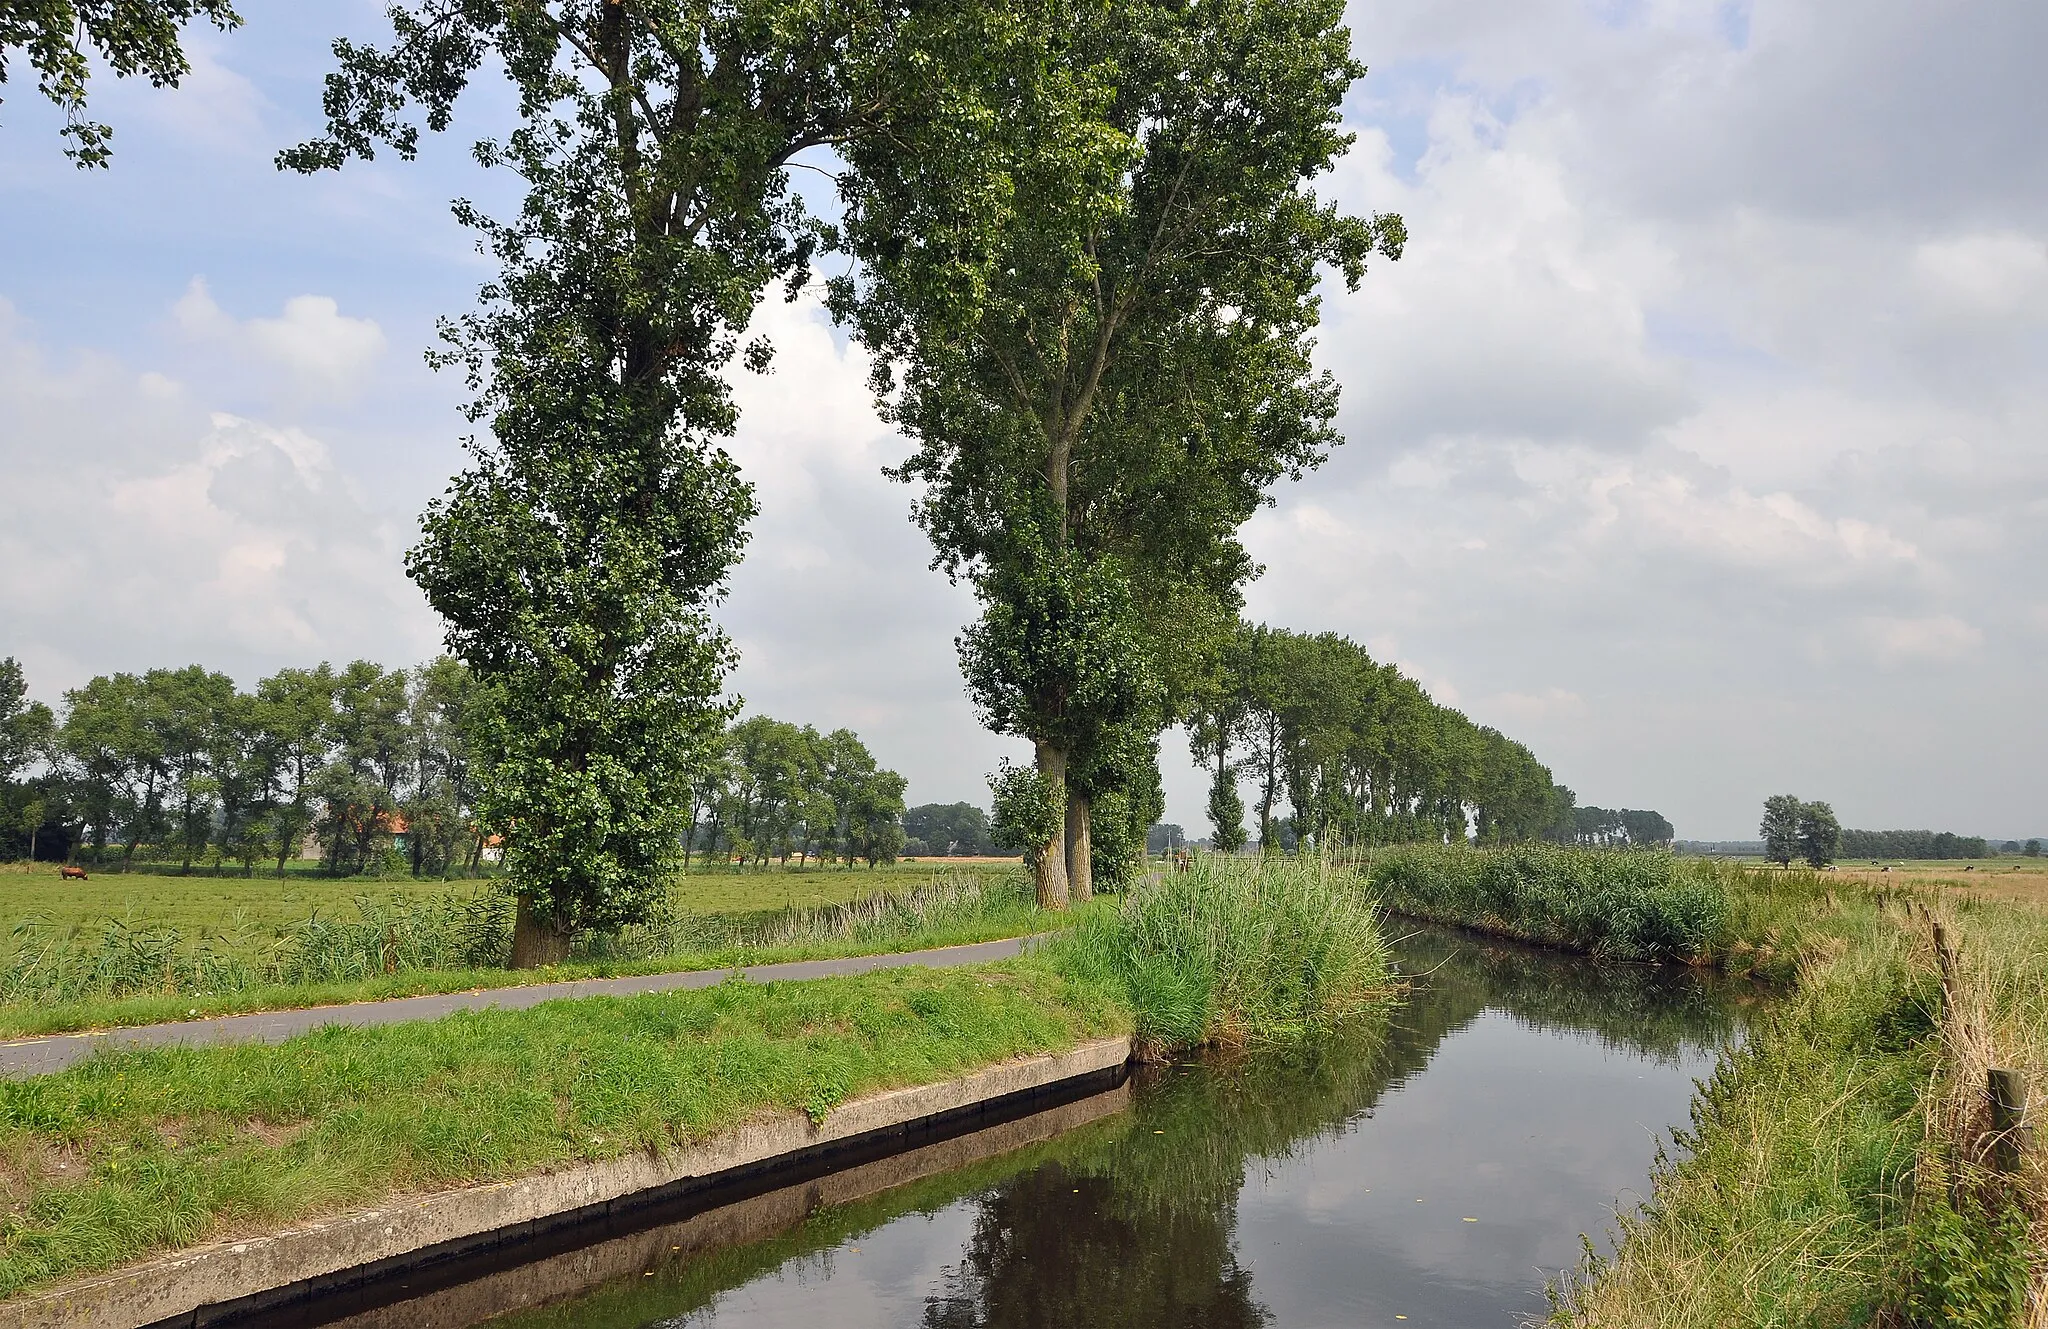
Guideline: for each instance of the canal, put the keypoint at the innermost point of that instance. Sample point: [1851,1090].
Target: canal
[1434,1170]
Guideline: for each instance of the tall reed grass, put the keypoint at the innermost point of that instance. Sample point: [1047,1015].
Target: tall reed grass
[1234,950]
[1611,903]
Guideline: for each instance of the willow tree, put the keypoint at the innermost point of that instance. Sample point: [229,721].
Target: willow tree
[1104,363]
[577,558]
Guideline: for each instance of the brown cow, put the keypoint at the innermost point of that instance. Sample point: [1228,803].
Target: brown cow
[72,870]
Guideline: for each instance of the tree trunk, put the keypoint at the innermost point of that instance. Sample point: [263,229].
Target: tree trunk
[1080,863]
[536,941]
[1052,856]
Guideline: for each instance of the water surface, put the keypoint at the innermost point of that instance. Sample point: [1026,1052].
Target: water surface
[1436,1170]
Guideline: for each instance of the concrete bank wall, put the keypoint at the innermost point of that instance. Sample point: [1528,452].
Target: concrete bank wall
[462,1297]
[304,1261]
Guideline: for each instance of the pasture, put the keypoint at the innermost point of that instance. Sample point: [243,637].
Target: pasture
[207,905]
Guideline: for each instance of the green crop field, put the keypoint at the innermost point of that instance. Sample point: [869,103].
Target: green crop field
[202,904]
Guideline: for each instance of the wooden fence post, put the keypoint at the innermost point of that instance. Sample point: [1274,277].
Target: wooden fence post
[2008,1118]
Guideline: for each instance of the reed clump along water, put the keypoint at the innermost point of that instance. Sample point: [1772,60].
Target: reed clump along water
[1615,904]
[56,978]
[1234,950]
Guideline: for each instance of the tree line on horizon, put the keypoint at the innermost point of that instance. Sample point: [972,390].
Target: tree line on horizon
[185,766]
[362,764]
[1916,844]
[768,789]
[1360,754]
[1812,833]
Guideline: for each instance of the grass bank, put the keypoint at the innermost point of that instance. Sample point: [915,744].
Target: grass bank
[1838,1170]
[144,1150]
[53,981]
[156,1149]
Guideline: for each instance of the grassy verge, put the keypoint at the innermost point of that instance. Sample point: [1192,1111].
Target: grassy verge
[204,904]
[1838,1168]
[51,983]
[1836,1172]
[155,1149]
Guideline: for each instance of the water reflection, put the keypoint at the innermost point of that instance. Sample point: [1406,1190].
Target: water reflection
[1437,1166]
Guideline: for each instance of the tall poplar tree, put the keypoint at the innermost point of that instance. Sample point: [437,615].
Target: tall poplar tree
[1103,360]
[577,560]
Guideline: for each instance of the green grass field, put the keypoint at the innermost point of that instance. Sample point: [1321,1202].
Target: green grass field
[96,968]
[203,905]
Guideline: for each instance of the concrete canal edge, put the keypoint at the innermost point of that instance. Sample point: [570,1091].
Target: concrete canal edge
[262,1273]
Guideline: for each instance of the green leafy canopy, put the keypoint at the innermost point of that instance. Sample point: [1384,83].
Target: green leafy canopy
[136,38]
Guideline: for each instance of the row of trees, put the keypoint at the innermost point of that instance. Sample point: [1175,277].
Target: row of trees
[1618,828]
[184,763]
[1806,831]
[1085,251]
[362,761]
[769,789]
[1913,844]
[1358,752]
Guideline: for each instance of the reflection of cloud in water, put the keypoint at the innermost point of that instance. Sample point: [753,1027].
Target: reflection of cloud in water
[1534,1133]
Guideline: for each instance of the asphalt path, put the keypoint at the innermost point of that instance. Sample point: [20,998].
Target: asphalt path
[40,1056]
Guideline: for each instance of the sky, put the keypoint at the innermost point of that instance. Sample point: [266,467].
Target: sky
[1699,440]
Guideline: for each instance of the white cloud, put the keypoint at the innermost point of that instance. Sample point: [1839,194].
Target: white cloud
[1940,637]
[213,106]
[161,533]
[839,618]
[1988,275]
[1520,709]
[321,348]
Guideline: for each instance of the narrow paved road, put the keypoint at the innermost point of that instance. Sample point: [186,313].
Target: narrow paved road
[40,1056]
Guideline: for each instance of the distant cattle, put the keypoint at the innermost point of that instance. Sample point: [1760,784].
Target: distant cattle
[71,871]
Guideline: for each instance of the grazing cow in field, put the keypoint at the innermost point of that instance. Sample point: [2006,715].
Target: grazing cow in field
[71,871]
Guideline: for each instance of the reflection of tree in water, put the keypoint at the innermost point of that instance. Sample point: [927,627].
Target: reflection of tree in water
[1137,1225]
[1062,1247]
[1132,1220]
[1661,1012]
